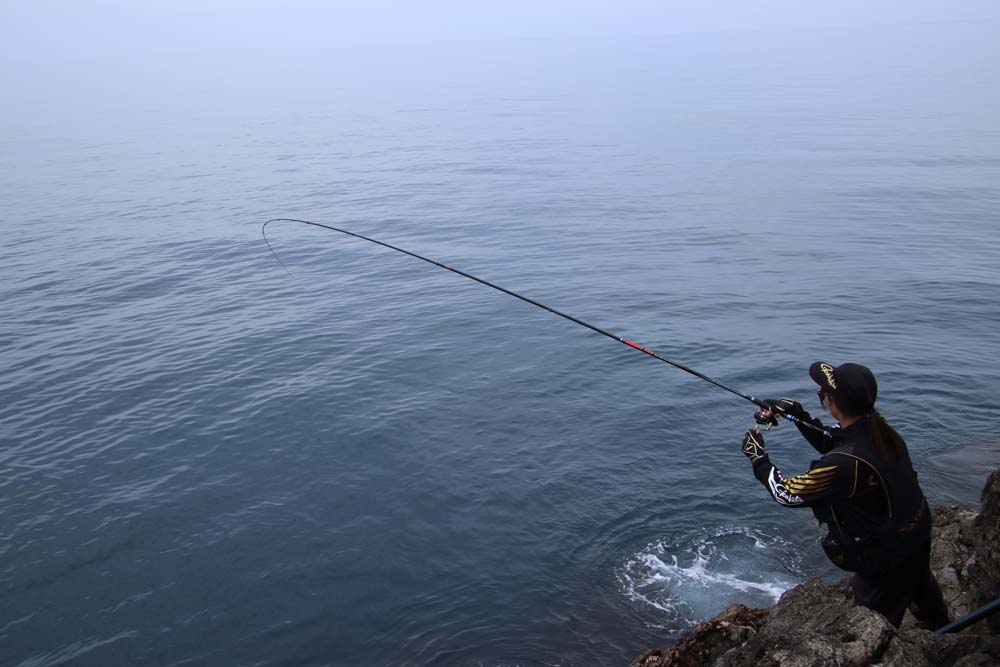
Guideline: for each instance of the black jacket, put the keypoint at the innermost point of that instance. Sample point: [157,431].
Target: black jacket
[875,510]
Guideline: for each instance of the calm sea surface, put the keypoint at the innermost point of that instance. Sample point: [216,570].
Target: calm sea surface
[205,460]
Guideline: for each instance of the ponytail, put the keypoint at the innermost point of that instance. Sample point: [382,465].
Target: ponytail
[888,444]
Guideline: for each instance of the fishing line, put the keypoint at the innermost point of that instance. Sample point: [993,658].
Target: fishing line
[760,403]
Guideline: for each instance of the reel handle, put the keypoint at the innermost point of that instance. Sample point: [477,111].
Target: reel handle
[765,418]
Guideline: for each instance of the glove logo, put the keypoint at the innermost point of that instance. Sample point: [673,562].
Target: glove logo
[753,445]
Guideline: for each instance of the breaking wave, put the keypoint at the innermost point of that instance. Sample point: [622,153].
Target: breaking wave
[693,578]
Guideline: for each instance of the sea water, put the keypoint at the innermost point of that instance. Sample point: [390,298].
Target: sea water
[366,460]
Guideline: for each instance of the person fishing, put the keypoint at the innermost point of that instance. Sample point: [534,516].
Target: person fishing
[864,489]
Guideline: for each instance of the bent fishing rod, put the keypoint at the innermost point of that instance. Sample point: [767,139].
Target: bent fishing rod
[767,421]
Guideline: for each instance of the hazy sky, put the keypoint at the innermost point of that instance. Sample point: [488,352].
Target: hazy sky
[45,28]
[61,52]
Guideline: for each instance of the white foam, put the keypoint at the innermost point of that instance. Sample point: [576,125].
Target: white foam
[697,576]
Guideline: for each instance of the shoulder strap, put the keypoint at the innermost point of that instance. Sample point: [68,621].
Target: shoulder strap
[885,487]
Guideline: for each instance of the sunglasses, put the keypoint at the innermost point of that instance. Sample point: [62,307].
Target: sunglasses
[822,395]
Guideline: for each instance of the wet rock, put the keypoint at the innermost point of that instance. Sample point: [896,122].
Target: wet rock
[921,648]
[984,570]
[703,643]
[815,624]
[952,550]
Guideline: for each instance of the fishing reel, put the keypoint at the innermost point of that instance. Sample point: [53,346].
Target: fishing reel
[765,418]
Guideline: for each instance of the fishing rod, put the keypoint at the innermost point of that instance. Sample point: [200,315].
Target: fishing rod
[972,617]
[760,416]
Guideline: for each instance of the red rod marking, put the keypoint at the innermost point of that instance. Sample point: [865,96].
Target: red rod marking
[638,347]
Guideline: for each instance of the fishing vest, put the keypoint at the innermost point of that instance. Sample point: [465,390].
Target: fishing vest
[886,520]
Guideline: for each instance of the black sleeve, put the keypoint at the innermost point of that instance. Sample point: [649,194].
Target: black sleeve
[820,442]
[826,479]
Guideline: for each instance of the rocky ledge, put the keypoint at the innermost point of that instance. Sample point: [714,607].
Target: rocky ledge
[816,623]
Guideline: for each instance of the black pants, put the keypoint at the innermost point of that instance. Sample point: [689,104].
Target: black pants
[911,584]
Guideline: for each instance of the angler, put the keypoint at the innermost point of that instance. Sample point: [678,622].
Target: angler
[864,489]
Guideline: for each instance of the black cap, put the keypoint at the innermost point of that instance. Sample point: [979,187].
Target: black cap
[852,385]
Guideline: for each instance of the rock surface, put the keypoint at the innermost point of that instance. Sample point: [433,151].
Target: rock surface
[817,624]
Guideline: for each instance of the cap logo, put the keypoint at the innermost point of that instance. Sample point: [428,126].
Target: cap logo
[828,372]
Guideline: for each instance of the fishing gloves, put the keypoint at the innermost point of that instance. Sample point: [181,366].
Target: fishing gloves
[753,445]
[787,406]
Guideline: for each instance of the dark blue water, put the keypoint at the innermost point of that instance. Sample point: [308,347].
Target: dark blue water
[369,461]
